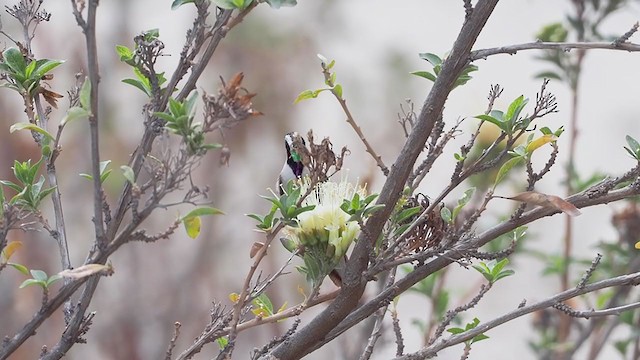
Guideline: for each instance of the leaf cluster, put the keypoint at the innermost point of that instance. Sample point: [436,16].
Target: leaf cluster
[437,62]
[29,191]
[25,77]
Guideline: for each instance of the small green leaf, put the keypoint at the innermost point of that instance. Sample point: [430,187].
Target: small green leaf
[307,94]
[74,113]
[506,167]
[128,174]
[23,269]
[29,282]
[177,3]
[492,120]
[222,342]
[85,94]
[548,75]
[445,214]
[45,67]
[633,144]
[479,338]
[139,84]
[264,303]
[202,211]
[192,226]
[276,4]
[425,74]
[338,90]
[53,279]
[14,59]
[39,275]
[124,52]
[29,69]
[29,126]
[433,59]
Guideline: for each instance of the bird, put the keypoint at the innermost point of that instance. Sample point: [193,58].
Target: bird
[293,167]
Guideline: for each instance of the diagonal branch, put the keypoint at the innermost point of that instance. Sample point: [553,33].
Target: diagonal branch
[314,333]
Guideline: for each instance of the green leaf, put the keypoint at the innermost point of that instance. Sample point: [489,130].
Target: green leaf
[338,90]
[23,269]
[124,52]
[139,84]
[307,94]
[479,338]
[264,303]
[506,167]
[503,274]
[39,275]
[53,279]
[407,213]
[177,3]
[492,120]
[424,74]
[633,144]
[151,34]
[225,4]
[29,69]
[431,58]
[29,282]
[222,342]
[515,108]
[47,66]
[32,127]
[456,330]
[445,214]
[74,113]
[464,200]
[85,94]
[548,75]
[128,174]
[14,59]
[192,226]
[202,211]
[276,4]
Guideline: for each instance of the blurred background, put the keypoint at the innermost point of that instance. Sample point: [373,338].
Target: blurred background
[375,45]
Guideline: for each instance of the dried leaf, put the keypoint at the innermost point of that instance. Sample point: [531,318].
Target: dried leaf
[51,97]
[10,249]
[87,270]
[255,248]
[545,200]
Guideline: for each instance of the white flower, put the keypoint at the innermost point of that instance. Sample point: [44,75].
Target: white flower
[326,229]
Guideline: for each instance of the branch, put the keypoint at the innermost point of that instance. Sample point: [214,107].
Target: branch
[315,332]
[343,104]
[624,280]
[539,45]
[579,200]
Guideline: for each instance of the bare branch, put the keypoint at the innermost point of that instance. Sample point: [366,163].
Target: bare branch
[624,280]
[539,45]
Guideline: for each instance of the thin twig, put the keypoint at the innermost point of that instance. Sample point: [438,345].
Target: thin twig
[351,121]
[539,45]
